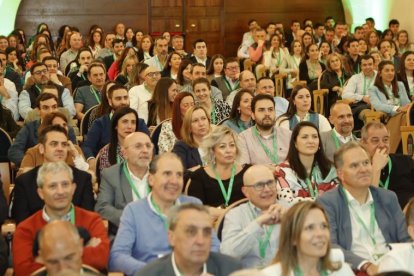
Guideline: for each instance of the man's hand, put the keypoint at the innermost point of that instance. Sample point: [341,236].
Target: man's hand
[380,159]
[271,216]
[366,99]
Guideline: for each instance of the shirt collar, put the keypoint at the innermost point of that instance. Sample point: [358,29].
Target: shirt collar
[177,271]
[133,176]
[343,138]
[354,202]
[47,218]
[149,199]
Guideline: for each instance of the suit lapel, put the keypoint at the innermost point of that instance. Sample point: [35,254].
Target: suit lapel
[381,216]
[125,187]
[344,221]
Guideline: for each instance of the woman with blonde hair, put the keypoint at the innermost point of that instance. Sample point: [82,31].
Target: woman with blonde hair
[220,182]
[305,245]
[196,125]
[126,76]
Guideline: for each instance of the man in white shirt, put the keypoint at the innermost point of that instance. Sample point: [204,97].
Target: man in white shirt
[341,118]
[140,95]
[357,89]
[363,219]
[251,230]
[125,182]
[8,94]
[161,50]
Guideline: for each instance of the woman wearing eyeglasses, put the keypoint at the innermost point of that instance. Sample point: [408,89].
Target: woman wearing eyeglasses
[307,172]
[305,245]
[219,183]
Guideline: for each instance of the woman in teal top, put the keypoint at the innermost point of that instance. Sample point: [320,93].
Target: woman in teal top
[240,115]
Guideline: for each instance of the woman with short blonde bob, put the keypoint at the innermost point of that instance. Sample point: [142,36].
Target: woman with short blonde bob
[219,184]
[304,245]
[196,125]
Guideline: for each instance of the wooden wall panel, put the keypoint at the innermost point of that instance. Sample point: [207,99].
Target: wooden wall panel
[220,22]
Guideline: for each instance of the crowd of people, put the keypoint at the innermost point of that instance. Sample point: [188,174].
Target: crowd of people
[136,155]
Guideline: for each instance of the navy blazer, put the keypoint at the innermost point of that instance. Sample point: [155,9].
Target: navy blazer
[189,155]
[388,214]
[99,135]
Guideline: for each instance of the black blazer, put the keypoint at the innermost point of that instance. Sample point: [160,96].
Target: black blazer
[26,201]
[194,60]
[189,155]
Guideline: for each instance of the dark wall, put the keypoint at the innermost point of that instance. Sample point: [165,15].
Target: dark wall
[220,22]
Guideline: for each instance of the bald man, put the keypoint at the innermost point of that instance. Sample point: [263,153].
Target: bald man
[60,248]
[125,182]
[343,121]
[257,219]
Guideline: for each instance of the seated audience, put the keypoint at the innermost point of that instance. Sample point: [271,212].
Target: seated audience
[354,204]
[217,108]
[265,85]
[190,235]
[247,81]
[53,146]
[356,89]
[216,68]
[124,122]
[7,122]
[90,95]
[230,80]
[170,130]
[41,76]
[310,68]
[159,107]
[126,181]
[240,115]
[300,110]
[27,137]
[406,75]
[78,73]
[297,254]
[219,183]
[8,93]
[56,187]
[389,96]
[343,122]
[306,173]
[141,221]
[251,230]
[389,171]
[196,125]
[126,76]
[263,143]
[172,66]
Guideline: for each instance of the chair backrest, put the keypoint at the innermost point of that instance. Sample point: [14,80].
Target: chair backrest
[155,135]
[299,82]
[409,117]
[5,143]
[320,78]
[279,85]
[319,100]
[187,186]
[84,125]
[220,221]
[222,121]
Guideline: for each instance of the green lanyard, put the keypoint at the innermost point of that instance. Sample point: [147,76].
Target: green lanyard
[336,140]
[131,183]
[83,76]
[229,87]
[263,243]
[72,215]
[158,212]
[312,192]
[371,230]
[341,81]
[272,156]
[298,272]
[357,69]
[387,182]
[38,88]
[226,194]
[213,114]
[95,93]
[277,58]
[366,86]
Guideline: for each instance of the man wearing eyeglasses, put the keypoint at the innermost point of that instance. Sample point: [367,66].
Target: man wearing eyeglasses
[41,76]
[230,81]
[251,230]
[389,171]
[140,94]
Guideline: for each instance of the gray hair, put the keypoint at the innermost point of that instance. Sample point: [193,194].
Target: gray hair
[368,126]
[176,210]
[213,139]
[53,168]
[339,154]
[153,166]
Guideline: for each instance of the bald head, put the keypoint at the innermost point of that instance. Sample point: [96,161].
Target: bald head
[60,247]
[342,119]
[259,186]
[138,150]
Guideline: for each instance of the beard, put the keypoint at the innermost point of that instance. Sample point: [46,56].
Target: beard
[266,125]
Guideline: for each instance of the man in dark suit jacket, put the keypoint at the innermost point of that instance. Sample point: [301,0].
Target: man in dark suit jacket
[230,80]
[189,234]
[343,121]
[200,53]
[54,147]
[363,219]
[118,47]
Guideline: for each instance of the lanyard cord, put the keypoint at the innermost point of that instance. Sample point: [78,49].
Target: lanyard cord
[226,194]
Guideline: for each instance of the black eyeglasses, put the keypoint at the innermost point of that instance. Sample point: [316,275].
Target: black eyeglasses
[259,186]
